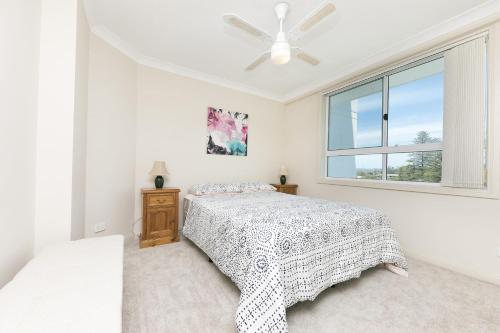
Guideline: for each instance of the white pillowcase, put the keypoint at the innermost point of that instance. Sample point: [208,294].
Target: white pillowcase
[204,189]
[256,187]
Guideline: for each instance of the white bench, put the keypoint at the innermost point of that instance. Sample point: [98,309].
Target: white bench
[70,287]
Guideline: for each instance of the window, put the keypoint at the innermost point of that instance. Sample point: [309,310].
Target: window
[355,166]
[420,127]
[356,117]
[389,127]
[416,104]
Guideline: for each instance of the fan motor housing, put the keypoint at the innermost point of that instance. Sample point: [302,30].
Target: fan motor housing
[281,10]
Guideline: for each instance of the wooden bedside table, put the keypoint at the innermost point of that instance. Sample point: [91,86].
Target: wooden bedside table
[287,188]
[160,216]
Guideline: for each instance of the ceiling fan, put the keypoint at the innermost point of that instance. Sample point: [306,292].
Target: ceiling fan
[281,51]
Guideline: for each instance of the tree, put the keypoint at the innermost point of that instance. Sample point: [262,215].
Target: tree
[422,166]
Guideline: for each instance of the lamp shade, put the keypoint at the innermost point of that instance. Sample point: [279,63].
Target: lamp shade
[283,171]
[159,169]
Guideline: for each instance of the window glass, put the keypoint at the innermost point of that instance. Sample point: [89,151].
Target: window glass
[415,167]
[416,104]
[355,167]
[368,145]
[355,117]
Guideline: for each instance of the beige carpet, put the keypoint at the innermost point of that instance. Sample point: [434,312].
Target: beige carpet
[173,288]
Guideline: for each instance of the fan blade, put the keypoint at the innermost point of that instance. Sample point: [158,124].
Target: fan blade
[259,61]
[316,16]
[305,57]
[238,22]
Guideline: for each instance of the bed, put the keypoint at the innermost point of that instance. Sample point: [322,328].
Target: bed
[280,249]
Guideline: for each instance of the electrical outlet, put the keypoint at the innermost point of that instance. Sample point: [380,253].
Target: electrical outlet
[99,227]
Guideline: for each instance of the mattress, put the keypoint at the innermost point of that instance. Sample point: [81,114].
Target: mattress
[188,199]
[280,249]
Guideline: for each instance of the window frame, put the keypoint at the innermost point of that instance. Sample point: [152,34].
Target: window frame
[492,189]
[384,149]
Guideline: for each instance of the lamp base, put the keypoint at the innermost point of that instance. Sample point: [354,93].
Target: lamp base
[283,180]
[159,182]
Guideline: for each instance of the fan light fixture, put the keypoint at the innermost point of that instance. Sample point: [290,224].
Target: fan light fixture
[280,51]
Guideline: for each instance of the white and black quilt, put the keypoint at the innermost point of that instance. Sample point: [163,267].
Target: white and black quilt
[280,249]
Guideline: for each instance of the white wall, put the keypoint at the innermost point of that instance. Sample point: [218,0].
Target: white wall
[43,132]
[110,140]
[80,125]
[172,126]
[459,233]
[20,36]
[56,102]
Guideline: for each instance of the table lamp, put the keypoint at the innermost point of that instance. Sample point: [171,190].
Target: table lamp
[159,170]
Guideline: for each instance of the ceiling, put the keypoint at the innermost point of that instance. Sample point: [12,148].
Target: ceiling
[190,38]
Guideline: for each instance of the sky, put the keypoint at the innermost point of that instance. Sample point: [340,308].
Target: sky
[414,106]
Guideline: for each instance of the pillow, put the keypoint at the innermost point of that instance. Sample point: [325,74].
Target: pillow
[203,189]
[256,187]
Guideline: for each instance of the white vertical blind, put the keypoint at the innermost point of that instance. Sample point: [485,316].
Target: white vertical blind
[464,115]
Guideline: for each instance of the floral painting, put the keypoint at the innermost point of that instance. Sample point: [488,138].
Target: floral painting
[227,132]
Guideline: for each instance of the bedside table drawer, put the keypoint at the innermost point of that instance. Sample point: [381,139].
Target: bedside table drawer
[161,200]
[288,188]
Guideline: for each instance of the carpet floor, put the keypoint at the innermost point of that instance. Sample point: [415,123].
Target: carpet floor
[173,288]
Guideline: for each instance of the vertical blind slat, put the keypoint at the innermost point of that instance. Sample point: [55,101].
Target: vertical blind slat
[464,116]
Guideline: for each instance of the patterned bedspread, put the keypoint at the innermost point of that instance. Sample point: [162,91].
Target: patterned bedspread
[280,249]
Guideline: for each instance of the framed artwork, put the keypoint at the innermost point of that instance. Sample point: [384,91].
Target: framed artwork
[227,132]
